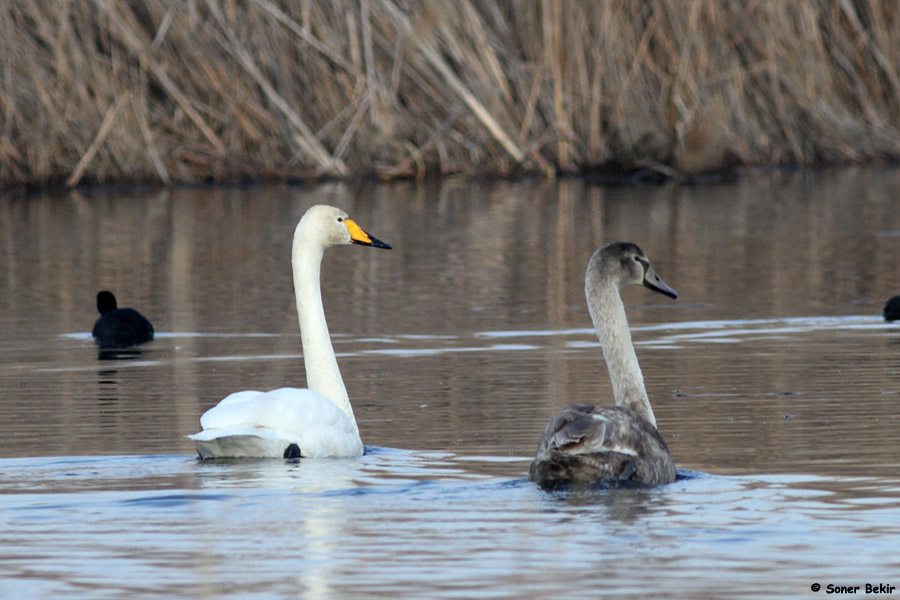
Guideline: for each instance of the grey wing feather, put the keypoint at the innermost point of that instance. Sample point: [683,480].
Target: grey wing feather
[586,429]
[584,444]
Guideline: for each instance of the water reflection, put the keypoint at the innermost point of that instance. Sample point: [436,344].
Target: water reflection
[420,332]
[456,348]
[118,354]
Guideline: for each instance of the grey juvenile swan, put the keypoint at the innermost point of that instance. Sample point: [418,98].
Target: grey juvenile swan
[585,444]
[289,422]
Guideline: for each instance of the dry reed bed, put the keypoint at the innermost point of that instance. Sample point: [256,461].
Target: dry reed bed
[215,90]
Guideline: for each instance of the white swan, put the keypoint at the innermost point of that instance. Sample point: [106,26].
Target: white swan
[290,422]
[585,444]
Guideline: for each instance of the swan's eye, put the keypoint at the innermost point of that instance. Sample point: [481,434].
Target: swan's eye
[340,219]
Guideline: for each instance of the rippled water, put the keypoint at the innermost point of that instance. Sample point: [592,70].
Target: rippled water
[773,377]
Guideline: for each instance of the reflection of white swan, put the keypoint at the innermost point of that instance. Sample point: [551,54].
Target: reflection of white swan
[586,444]
[289,422]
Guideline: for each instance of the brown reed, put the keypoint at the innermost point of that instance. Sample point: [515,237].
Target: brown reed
[222,90]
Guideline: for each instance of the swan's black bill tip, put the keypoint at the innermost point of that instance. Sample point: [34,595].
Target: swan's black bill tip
[660,287]
[373,242]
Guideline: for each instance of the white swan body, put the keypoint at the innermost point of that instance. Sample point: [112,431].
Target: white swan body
[289,422]
[266,423]
[585,444]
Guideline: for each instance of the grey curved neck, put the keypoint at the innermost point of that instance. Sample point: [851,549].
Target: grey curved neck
[608,314]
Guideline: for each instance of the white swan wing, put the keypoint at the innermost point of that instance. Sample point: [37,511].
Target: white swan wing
[235,398]
[263,424]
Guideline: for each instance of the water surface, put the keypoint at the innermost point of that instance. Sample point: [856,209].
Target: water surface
[773,378]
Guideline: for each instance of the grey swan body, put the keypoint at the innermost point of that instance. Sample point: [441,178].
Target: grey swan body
[585,445]
[119,327]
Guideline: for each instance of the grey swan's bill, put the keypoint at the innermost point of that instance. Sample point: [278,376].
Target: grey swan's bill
[119,327]
[892,309]
[588,445]
[291,423]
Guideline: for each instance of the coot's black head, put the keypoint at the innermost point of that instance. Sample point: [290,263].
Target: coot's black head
[106,302]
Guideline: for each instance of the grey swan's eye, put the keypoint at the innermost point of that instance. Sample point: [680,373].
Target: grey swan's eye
[340,219]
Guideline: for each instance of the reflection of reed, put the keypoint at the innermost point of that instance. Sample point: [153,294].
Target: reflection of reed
[467,258]
[180,267]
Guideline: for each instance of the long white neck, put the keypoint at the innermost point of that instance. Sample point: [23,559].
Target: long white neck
[608,314]
[322,373]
